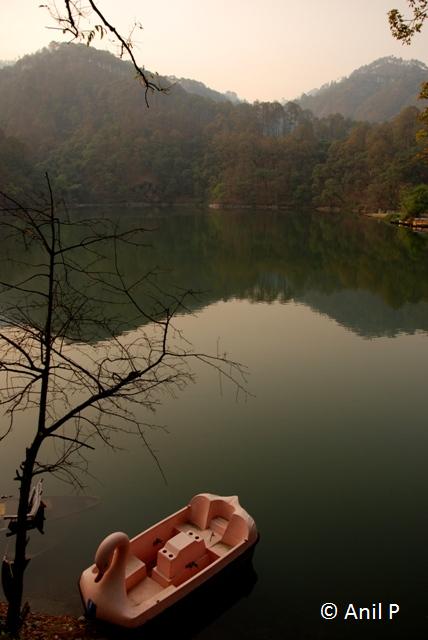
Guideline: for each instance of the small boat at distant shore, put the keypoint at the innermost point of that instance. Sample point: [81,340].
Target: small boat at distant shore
[40,509]
[35,515]
[134,580]
[48,507]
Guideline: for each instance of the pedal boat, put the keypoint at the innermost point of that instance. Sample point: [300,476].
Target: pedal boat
[134,580]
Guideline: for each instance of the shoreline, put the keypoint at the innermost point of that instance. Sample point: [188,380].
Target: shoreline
[380,215]
[179,205]
[44,626]
[414,224]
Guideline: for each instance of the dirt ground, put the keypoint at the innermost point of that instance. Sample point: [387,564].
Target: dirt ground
[40,626]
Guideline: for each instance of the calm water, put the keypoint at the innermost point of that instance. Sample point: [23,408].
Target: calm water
[329,454]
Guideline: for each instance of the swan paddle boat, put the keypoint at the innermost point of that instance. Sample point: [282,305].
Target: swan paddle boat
[134,580]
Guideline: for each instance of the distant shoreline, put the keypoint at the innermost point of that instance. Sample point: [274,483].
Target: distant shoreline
[416,224]
[380,215]
[412,223]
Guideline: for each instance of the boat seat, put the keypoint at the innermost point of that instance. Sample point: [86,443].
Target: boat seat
[204,509]
[135,571]
[218,525]
[182,556]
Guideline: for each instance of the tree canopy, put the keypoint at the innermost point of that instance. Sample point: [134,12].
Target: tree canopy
[404,28]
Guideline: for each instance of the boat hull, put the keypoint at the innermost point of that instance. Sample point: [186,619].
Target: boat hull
[168,561]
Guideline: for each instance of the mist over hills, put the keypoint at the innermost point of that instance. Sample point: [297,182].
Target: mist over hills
[375,92]
[200,89]
[79,114]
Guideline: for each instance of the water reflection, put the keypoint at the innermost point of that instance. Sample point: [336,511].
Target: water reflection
[199,610]
[367,276]
[330,454]
[370,277]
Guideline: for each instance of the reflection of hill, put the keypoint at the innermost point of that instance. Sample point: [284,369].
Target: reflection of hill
[369,277]
[367,314]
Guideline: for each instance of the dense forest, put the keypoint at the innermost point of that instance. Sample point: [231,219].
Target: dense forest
[79,114]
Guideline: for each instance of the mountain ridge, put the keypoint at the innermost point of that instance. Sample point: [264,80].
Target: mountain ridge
[78,114]
[375,92]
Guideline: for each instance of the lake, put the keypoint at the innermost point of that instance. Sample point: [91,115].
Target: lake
[328,452]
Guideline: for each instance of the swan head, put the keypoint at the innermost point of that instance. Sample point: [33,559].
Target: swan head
[104,554]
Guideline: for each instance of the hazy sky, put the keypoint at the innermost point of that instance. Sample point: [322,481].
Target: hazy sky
[262,49]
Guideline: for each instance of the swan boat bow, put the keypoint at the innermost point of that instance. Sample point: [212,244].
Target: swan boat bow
[134,580]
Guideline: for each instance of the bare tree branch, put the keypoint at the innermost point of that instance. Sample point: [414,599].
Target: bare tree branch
[75,13]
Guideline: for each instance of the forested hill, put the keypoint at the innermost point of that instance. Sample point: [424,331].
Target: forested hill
[375,92]
[200,89]
[79,114]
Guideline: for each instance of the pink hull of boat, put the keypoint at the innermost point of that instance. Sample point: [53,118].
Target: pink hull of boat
[134,580]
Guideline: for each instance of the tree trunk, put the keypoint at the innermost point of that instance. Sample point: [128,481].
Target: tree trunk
[14,618]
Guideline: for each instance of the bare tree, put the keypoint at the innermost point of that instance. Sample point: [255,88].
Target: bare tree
[65,356]
[84,21]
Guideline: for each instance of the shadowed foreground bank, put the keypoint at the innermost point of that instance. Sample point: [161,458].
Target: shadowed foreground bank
[189,616]
[40,626]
